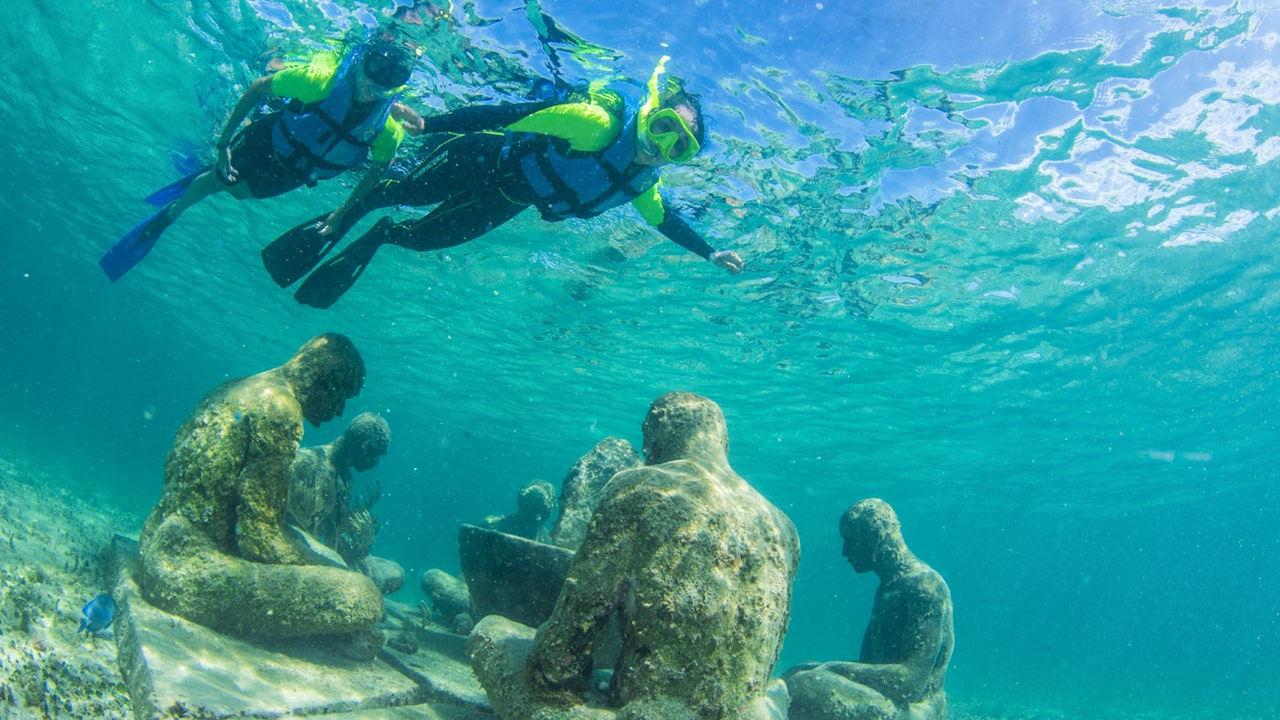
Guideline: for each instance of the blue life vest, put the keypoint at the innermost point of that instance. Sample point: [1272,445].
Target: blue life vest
[312,138]
[568,183]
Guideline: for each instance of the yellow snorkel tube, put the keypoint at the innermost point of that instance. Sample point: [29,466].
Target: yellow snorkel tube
[669,133]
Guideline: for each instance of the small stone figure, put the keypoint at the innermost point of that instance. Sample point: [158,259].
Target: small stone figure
[321,502]
[320,490]
[215,549]
[908,642]
[533,506]
[695,565]
[580,490]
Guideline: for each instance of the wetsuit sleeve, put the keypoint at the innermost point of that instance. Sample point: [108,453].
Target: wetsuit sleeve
[679,232]
[477,118]
[387,142]
[588,127]
[671,225]
[308,82]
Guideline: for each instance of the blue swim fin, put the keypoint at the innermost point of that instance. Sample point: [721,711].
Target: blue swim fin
[174,190]
[187,163]
[189,167]
[130,249]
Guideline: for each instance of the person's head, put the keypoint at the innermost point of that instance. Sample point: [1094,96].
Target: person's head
[324,374]
[364,442]
[536,500]
[670,127]
[385,66]
[872,535]
[684,425]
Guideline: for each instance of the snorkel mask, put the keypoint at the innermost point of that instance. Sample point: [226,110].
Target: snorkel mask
[388,68]
[668,133]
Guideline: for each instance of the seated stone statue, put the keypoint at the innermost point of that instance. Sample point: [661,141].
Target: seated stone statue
[321,505]
[215,549]
[320,490]
[908,642]
[533,506]
[696,567]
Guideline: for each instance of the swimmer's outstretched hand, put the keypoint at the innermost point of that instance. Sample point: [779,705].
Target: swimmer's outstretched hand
[226,170]
[326,226]
[727,259]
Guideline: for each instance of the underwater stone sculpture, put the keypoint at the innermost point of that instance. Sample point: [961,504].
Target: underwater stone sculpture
[580,489]
[320,488]
[321,502]
[697,567]
[215,549]
[907,645]
[534,504]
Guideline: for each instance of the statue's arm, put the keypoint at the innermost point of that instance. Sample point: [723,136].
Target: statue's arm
[906,681]
[597,582]
[271,437]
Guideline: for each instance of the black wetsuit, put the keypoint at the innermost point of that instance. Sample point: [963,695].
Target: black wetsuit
[468,172]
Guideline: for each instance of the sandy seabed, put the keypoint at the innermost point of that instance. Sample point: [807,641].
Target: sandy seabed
[54,557]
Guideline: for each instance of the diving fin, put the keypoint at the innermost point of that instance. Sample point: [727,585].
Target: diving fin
[296,252]
[187,162]
[189,166]
[174,190]
[332,279]
[130,249]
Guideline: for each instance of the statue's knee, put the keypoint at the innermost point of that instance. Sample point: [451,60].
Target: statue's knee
[823,695]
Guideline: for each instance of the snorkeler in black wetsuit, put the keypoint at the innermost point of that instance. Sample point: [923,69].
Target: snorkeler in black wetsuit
[570,159]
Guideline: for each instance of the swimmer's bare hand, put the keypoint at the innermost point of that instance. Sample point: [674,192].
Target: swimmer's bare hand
[331,223]
[226,170]
[408,118]
[727,259]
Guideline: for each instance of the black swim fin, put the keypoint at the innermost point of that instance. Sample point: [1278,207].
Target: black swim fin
[332,279]
[296,252]
[130,249]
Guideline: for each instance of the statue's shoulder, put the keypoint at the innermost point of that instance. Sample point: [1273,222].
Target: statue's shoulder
[925,582]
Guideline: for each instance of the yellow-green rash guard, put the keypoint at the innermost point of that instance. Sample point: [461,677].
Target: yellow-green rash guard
[312,81]
[649,205]
[592,127]
[586,127]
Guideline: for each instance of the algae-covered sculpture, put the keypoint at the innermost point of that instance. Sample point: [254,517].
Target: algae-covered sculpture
[908,642]
[534,504]
[695,565]
[320,501]
[215,549]
[580,490]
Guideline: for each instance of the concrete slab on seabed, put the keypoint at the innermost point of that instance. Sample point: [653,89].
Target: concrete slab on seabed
[176,668]
[440,663]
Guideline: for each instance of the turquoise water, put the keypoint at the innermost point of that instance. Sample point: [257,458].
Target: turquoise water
[1012,270]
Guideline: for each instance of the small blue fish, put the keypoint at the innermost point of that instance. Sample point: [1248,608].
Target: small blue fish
[99,613]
